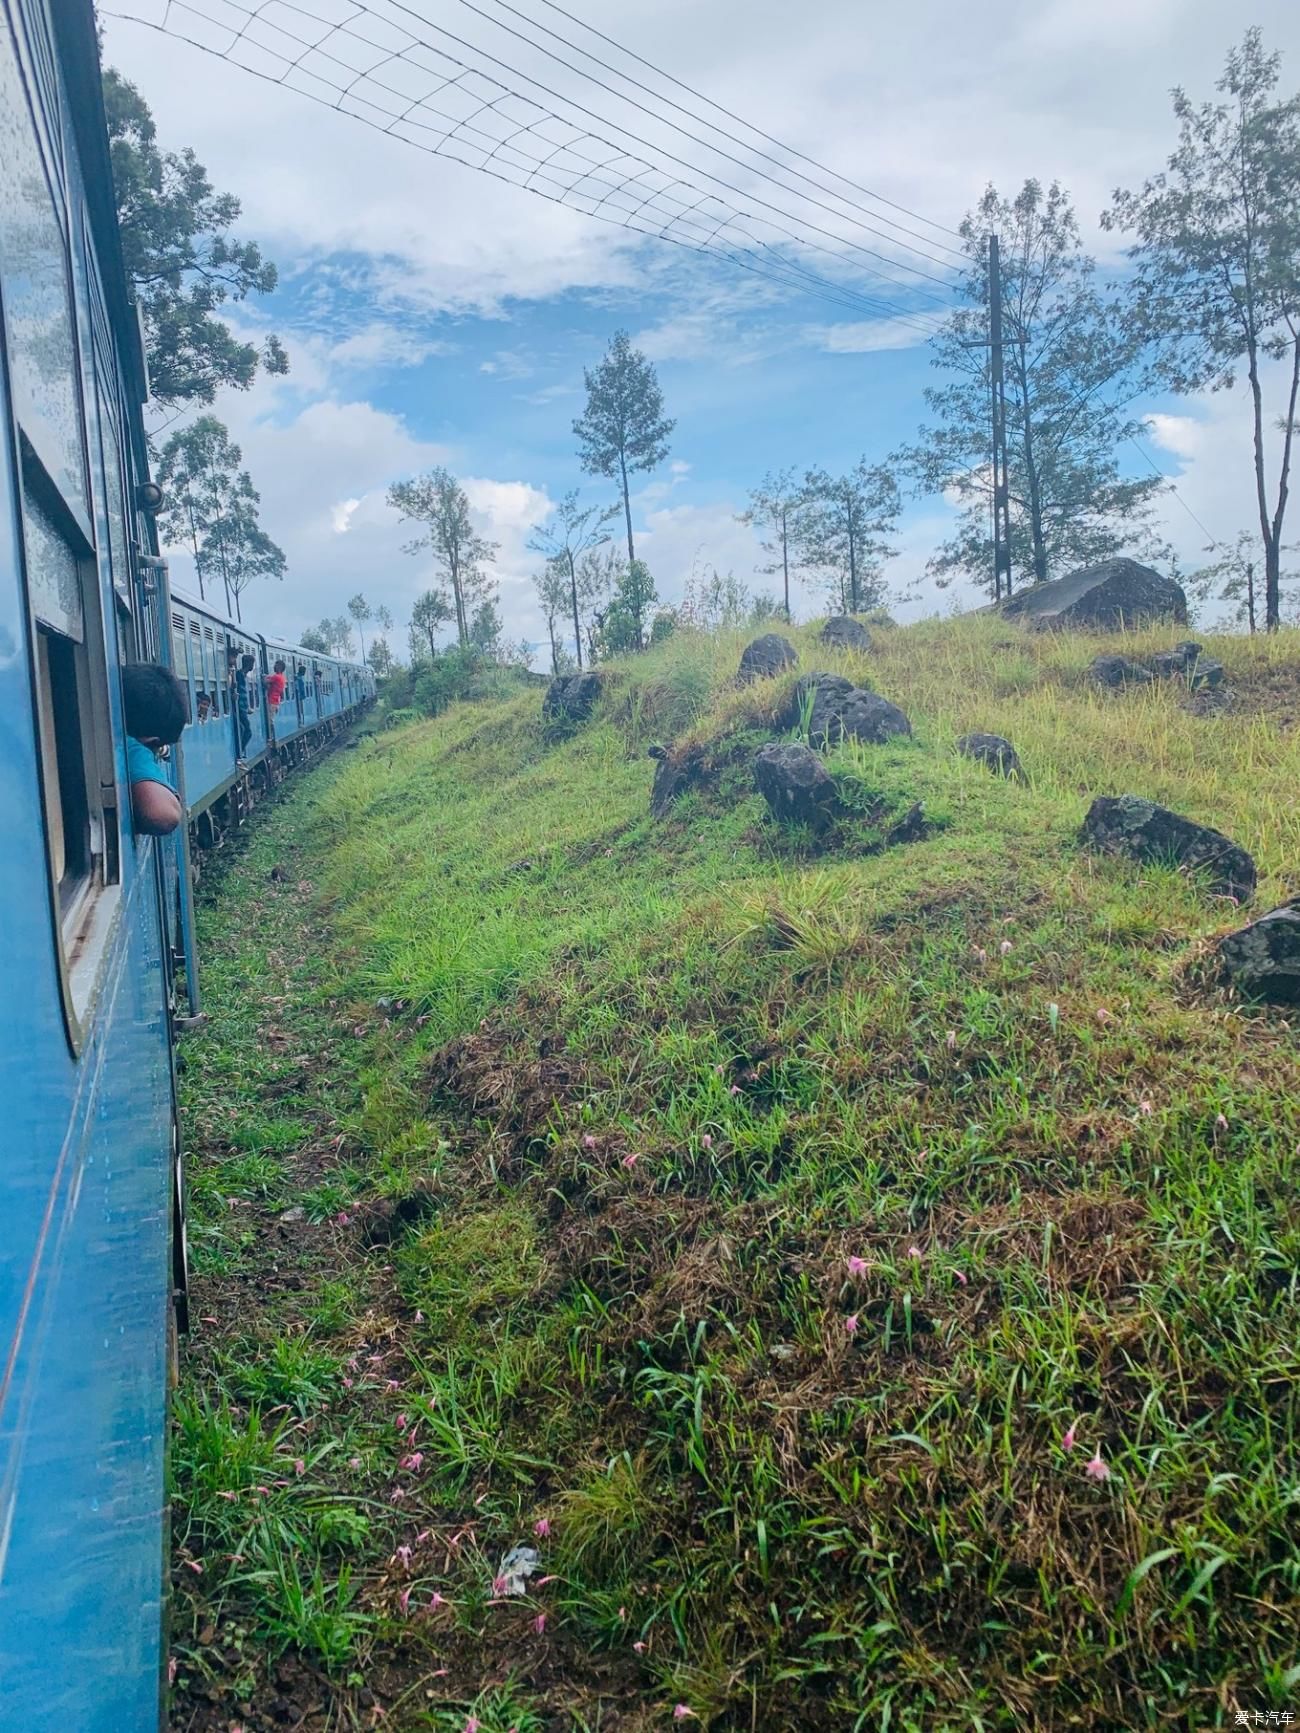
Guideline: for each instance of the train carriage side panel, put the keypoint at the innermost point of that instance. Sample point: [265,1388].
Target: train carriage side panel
[85,1071]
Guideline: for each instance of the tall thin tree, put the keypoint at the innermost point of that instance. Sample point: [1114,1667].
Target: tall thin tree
[775,507]
[569,534]
[623,430]
[438,502]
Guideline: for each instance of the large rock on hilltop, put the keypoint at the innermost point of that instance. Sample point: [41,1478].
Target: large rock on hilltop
[992,750]
[795,784]
[1263,959]
[1114,596]
[845,633]
[571,697]
[1127,824]
[768,655]
[838,710]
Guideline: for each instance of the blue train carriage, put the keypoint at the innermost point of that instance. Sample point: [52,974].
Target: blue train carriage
[89,1241]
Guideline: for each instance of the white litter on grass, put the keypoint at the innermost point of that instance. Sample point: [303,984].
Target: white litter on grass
[516,1567]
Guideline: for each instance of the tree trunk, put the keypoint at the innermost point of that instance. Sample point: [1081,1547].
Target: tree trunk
[1273,542]
[853,564]
[462,626]
[1250,597]
[1038,542]
[785,562]
[577,623]
[627,509]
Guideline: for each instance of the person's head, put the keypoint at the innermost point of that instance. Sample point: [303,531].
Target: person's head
[246,663]
[279,667]
[156,704]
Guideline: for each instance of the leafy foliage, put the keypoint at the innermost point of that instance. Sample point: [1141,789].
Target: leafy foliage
[211,504]
[623,430]
[1070,369]
[844,525]
[437,500]
[572,533]
[1218,265]
[777,509]
[181,259]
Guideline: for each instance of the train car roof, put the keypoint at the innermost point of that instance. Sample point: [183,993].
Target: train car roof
[239,630]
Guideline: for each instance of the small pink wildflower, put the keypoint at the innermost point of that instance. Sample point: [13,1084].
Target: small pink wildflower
[499,1585]
[1221,1121]
[414,1461]
[706,1142]
[914,1252]
[959,1276]
[682,1713]
[403,1557]
[639,1648]
[342,1218]
[1104,1016]
[229,1497]
[735,1089]
[401,1422]
[1144,1106]
[851,1325]
[857,1266]
[195,1566]
[437,1600]
[404,1601]
[1070,1436]
[588,1141]
[1005,948]
[354,1462]
[299,1466]
[171,1671]
[622,1612]
[541,1528]
[347,1383]
[539,1623]
[950,1041]
[394,1384]
[419,1317]
[1096,1469]
[630,1161]
[471,1724]
[397,1495]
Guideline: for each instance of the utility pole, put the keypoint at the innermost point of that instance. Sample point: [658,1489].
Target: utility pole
[1001,476]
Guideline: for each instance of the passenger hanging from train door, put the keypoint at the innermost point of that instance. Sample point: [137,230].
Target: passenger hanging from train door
[238,675]
[300,691]
[156,709]
[276,681]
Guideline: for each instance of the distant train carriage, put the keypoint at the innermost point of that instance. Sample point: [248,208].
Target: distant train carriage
[96,937]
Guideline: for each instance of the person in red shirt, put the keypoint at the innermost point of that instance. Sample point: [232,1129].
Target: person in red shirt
[275,686]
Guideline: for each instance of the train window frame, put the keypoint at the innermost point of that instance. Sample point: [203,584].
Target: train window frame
[56,485]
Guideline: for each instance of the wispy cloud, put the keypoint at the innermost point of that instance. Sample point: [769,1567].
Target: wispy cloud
[862,336]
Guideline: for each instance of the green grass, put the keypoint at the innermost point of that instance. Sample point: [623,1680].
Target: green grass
[658,1082]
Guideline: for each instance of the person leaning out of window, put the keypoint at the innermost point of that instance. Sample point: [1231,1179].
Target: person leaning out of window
[156,711]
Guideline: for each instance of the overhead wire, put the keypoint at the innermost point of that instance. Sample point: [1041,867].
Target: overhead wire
[638,84]
[705,235]
[1151,463]
[790,150]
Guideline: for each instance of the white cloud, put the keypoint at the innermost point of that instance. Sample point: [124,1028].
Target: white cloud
[378,346]
[341,516]
[863,336]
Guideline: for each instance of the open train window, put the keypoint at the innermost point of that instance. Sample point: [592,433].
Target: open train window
[66,624]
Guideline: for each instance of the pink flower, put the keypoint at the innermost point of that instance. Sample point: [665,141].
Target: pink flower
[403,1557]
[397,1495]
[404,1601]
[1104,1016]
[437,1600]
[630,1161]
[299,1466]
[541,1528]
[539,1623]
[471,1724]
[622,1612]
[638,1648]
[342,1218]
[857,1266]
[959,1277]
[499,1585]
[354,1462]
[682,1713]
[851,1325]
[394,1384]
[171,1671]
[950,1041]
[419,1317]
[1144,1106]
[588,1141]
[980,954]
[735,1090]
[414,1461]
[1096,1469]
[914,1252]
[1221,1121]
[706,1142]
[347,1383]
[1005,947]
[401,1423]
[1070,1436]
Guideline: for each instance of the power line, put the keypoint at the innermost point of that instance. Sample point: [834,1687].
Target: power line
[593,186]
[1173,488]
[790,150]
[767,156]
[607,188]
[670,156]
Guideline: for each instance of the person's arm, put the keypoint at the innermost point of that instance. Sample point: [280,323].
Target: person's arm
[155,808]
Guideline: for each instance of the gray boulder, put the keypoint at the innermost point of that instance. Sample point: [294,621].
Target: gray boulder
[768,655]
[1127,824]
[1117,671]
[676,771]
[992,750]
[1113,596]
[1186,662]
[571,697]
[839,710]
[1263,959]
[845,633]
[795,784]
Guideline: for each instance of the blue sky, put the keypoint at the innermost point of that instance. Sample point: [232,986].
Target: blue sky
[433,314]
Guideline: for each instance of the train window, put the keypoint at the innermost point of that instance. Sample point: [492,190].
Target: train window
[181,652]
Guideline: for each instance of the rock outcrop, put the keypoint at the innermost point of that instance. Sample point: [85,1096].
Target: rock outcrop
[1262,960]
[571,697]
[1114,596]
[1117,671]
[845,633]
[1127,824]
[838,710]
[676,771]
[795,784]
[768,655]
[992,750]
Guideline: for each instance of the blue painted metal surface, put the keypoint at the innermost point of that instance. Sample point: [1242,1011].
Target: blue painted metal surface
[88,1150]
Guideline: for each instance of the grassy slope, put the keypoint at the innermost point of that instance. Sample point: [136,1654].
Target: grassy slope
[1071,1170]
